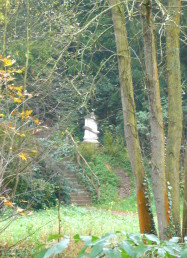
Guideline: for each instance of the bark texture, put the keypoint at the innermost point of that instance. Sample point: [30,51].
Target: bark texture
[184,228]
[129,114]
[157,131]
[174,108]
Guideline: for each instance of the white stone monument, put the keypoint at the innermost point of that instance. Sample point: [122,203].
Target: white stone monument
[90,129]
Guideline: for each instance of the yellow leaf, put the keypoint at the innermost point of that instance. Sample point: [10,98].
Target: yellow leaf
[7,62]
[10,79]
[16,100]
[2,115]
[18,71]
[19,89]
[22,135]
[23,201]
[23,156]
[34,151]
[36,121]
[30,213]
[26,113]
[10,148]
[8,204]
[21,211]
[20,94]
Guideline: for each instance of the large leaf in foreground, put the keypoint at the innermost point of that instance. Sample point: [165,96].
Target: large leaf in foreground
[57,248]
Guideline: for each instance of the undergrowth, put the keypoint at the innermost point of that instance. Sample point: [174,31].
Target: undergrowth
[28,233]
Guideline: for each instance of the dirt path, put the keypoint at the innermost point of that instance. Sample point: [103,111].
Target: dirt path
[125,184]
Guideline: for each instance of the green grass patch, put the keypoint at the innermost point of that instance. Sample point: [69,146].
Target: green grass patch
[74,220]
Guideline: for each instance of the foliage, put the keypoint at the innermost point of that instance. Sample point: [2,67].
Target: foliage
[89,151]
[121,245]
[114,146]
[36,193]
[34,229]
[18,148]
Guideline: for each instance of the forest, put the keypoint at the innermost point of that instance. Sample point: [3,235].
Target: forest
[93,128]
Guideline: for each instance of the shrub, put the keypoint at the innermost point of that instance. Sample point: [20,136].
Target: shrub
[36,193]
[121,245]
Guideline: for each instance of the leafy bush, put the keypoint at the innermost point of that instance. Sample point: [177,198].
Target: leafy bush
[108,179]
[89,151]
[36,193]
[121,245]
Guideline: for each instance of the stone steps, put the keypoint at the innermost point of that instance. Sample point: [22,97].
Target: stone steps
[79,194]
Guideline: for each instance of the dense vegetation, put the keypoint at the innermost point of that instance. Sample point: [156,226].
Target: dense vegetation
[61,60]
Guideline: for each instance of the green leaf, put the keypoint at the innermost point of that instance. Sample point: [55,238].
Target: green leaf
[161,252]
[76,238]
[41,253]
[82,252]
[169,250]
[86,239]
[174,240]
[94,238]
[184,254]
[57,248]
[152,238]
[97,249]
[82,256]
[56,236]
[136,239]
[140,250]
[112,252]
[125,246]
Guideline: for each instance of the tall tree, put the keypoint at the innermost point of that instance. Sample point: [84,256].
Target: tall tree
[174,107]
[129,114]
[184,229]
[157,130]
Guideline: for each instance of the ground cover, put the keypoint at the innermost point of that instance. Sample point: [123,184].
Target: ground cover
[36,228]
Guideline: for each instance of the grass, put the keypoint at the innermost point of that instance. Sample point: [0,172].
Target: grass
[74,220]
[36,229]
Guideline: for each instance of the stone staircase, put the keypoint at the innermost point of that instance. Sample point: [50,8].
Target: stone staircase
[79,195]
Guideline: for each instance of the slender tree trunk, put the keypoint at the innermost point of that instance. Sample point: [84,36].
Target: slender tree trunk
[174,108]
[5,26]
[157,131]
[129,114]
[184,227]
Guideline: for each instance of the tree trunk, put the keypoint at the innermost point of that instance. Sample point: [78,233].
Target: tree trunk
[157,131]
[174,108]
[184,228]
[129,114]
